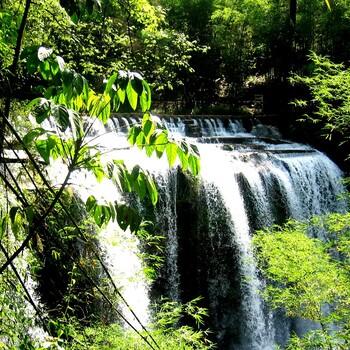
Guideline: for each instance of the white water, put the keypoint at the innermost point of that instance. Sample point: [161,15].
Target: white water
[219,171]
[307,183]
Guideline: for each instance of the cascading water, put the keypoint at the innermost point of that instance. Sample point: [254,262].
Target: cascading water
[245,184]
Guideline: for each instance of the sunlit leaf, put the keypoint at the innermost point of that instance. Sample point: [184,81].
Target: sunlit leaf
[32,135]
[171,152]
[45,69]
[194,164]
[110,82]
[132,95]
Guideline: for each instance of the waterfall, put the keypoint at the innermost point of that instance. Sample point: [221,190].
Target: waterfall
[246,183]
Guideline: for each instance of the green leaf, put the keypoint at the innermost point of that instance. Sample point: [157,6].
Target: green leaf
[122,177]
[121,95]
[149,149]
[90,203]
[152,189]
[145,97]
[133,133]
[16,220]
[50,92]
[132,95]
[171,152]
[41,110]
[41,146]
[31,53]
[100,213]
[194,164]
[61,115]
[67,79]
[183,157]
[49,147]
[159,137]
[127,217]
[78,83]
[76,124]
[32,135]
[99,106]
[147,127]
[140,185]
[45,70]
[110,82]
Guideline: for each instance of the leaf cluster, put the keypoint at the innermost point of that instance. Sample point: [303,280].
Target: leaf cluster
[309,278]
[329,86]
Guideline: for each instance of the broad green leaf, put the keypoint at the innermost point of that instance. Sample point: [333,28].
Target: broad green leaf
[61,115]
[67,78]
[136,84]
[50,147]
[41,146]
[99,106]
[127,217]
[101,213]
[90,203]
[41,110]
[122,178]
[144,102]
[32,135]
[150,149]
[141,140]
[110,82]
[159,137]
[194,164]
[146,95]
[152,189]
[55,146]
[50,92]
[140,185]
[76,124]
[34,102]
[135,172]
[183,157]
[148,127]
[45,70]
[13,213]
[121,94]
[133,133]
[132,95]
[31,54]
[194,150]
[98,172]
[171,152]
[16,220]
[78,83]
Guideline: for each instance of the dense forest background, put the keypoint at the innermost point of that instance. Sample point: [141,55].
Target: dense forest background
[199,56]
[65,60]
